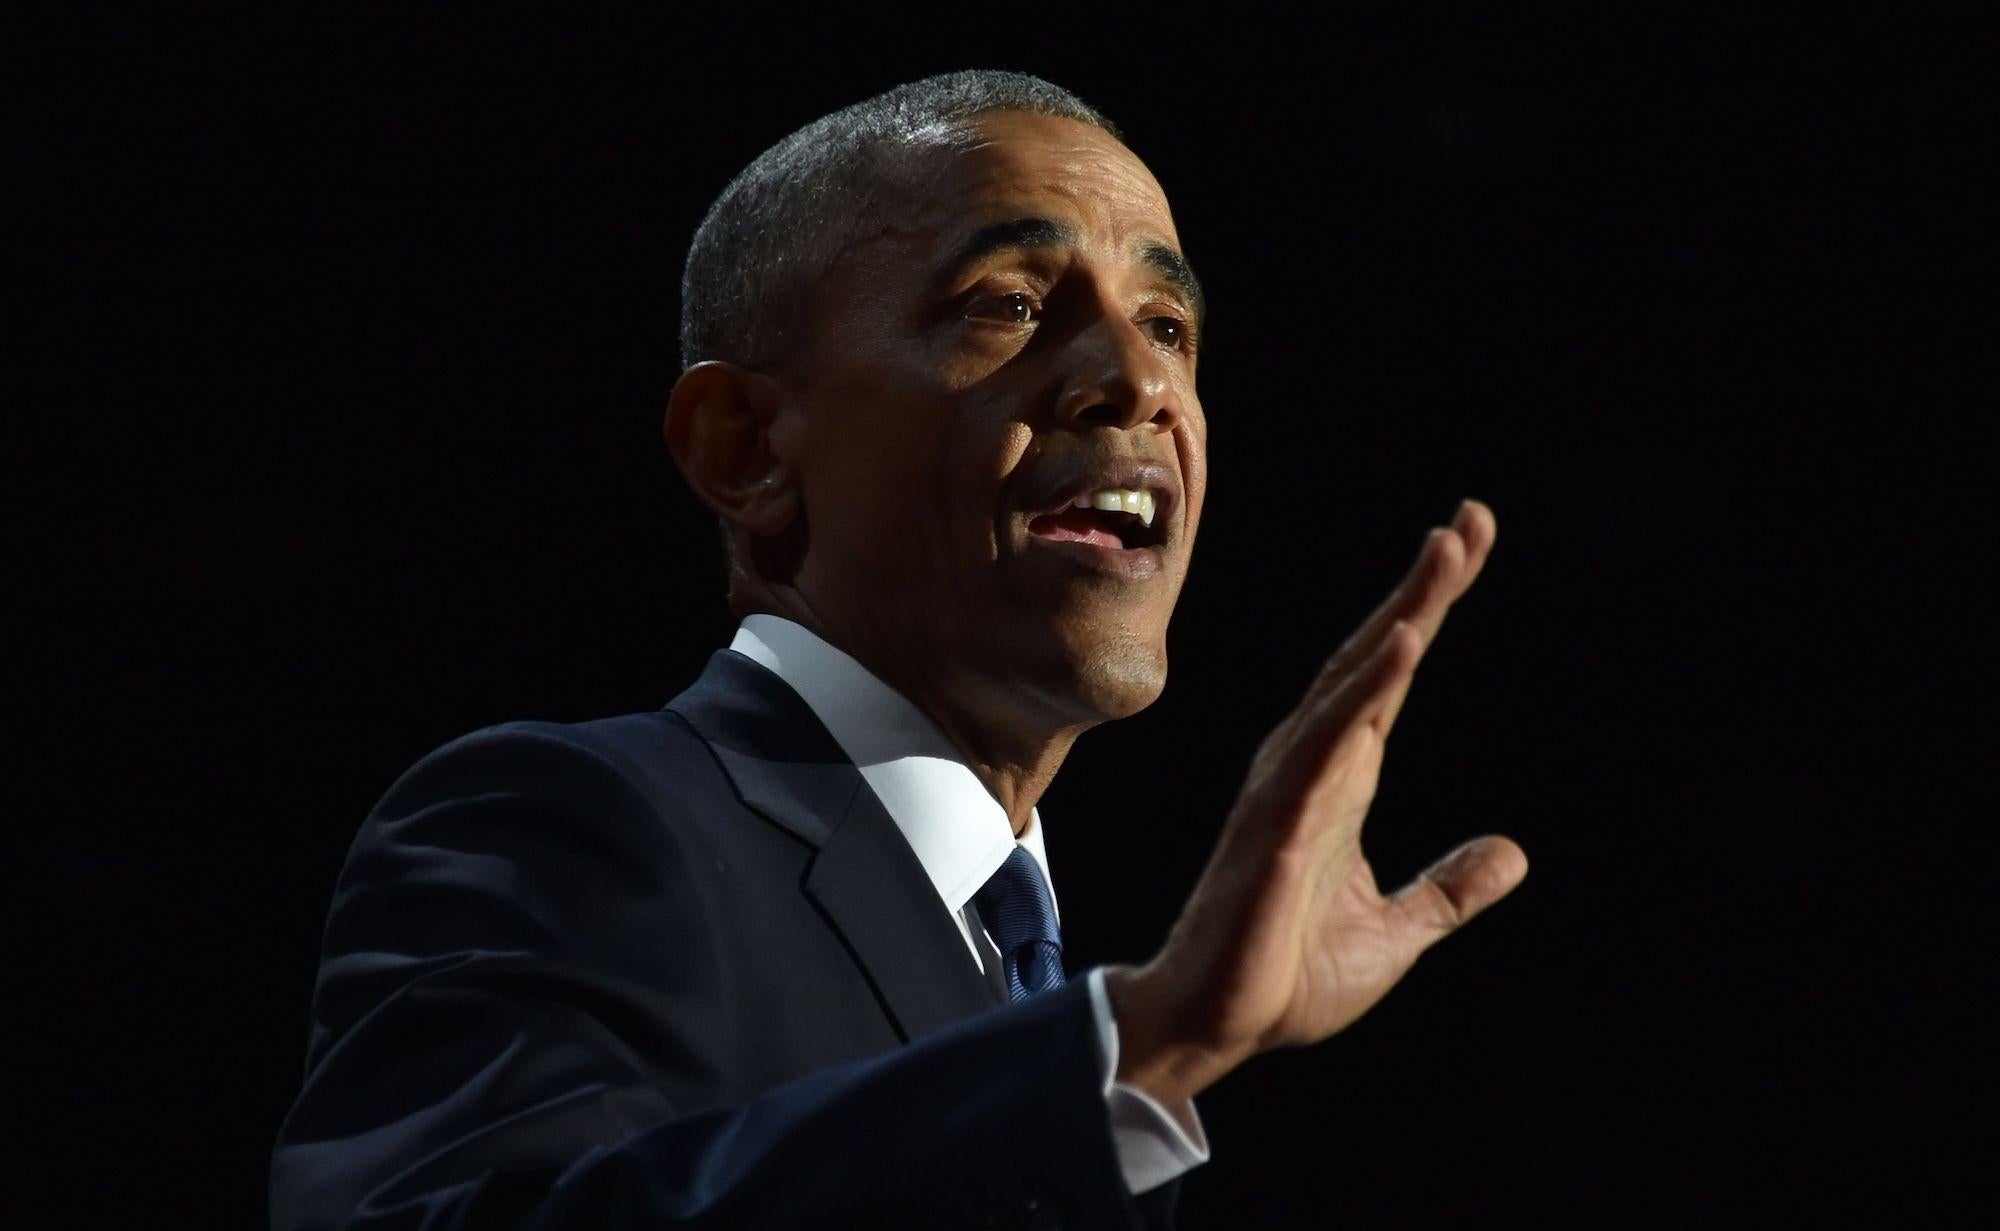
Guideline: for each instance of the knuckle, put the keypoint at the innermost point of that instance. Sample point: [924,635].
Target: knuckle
[1443,914]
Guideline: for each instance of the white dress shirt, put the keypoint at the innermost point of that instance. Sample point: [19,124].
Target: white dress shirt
[961,836]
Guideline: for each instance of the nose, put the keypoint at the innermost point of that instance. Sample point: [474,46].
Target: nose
[1120,380]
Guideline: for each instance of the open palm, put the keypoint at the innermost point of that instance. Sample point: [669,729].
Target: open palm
[1287,938]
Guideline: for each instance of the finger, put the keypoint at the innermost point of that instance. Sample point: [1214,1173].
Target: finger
[1381,700]
[1450,558]
[1429,574]
[1450,892]
[1333,727]
[1478,528]
[1465,544]
[1369,678]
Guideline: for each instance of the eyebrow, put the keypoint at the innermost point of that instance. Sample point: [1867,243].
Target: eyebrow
[1172,266]
[1017,233]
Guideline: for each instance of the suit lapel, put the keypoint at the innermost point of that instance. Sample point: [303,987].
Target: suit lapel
[875,892]
[864,878]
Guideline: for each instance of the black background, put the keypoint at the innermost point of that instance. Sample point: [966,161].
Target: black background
[350,341]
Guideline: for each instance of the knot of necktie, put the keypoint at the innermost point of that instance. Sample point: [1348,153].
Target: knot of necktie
[1019,914]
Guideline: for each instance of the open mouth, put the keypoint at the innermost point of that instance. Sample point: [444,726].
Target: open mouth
[1119,519]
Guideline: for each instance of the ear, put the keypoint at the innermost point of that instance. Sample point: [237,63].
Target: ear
[718,427]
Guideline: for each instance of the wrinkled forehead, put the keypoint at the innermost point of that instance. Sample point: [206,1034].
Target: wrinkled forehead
[1005,165]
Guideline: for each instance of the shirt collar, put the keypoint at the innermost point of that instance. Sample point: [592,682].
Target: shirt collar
[958,831]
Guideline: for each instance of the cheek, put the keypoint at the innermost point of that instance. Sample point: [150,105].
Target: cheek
[978,460]
[868,487]
[1192,441]
[910,494]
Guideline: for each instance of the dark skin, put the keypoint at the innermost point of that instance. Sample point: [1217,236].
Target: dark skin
[1020,325]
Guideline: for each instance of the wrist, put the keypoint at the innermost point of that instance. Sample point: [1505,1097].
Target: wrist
[1158,1053]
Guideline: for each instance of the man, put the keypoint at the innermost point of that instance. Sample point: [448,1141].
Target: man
[785,952]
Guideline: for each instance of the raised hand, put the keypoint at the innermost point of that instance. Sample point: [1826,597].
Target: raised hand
[1287,938]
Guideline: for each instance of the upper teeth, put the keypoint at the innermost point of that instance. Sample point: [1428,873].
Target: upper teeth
[1119,499]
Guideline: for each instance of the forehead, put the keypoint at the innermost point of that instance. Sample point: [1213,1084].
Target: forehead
[1016,164]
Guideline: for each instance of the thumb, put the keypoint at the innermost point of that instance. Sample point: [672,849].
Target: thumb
[1454,889]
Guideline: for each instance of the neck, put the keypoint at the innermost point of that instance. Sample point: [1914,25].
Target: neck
[1015,771]
[1015,753]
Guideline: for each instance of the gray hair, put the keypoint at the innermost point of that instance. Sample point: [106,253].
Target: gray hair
[780,224]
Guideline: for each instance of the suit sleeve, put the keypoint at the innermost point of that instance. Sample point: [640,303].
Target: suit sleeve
[485,1055]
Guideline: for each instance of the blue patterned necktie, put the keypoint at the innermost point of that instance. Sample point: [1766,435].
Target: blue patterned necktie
[1015,906]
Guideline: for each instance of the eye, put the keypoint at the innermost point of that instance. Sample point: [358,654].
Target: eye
[1013,308]
[1168,331]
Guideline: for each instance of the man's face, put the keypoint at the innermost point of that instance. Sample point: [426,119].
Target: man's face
[1018,335]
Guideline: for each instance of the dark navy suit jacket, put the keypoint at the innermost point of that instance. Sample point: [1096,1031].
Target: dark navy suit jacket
[675,969]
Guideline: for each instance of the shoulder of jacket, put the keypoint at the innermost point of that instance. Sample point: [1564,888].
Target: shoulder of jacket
[643,755]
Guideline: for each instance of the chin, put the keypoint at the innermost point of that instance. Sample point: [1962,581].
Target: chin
[1116,673]
[1072,672]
